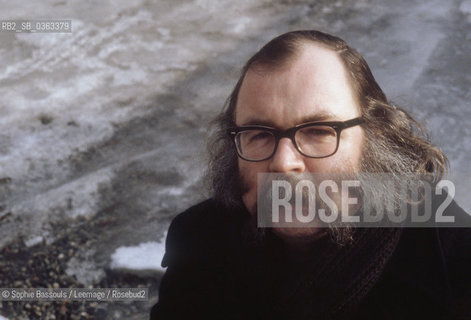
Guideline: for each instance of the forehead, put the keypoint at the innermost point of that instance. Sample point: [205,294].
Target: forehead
[314,85]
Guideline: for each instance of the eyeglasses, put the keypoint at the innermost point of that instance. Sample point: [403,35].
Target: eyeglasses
[312,140]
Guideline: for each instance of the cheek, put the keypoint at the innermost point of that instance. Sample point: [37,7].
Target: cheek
[248,174]
[351,149]
[356,148]
[320,165]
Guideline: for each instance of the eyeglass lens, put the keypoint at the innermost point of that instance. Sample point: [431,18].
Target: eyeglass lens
[313,141]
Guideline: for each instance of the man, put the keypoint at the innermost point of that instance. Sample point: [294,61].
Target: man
[222,266]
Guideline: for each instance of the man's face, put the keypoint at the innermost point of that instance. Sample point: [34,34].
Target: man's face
[313,87]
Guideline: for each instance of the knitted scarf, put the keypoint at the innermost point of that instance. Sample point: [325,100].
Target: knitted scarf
[327,282]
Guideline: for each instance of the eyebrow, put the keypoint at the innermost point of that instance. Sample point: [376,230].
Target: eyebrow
[322,116]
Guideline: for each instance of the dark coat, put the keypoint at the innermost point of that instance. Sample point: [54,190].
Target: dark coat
[210,276]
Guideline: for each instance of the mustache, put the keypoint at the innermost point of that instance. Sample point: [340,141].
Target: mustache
[309,192]
[290,181]
[340,232]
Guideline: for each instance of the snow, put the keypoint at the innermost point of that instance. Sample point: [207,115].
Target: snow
[33,241]
[145,256]
[465,7]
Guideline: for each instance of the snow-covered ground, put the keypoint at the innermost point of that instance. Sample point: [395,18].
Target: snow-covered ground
[105,125]
[146,256]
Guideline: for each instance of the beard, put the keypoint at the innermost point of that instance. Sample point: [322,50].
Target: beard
[261,225]
[377,159]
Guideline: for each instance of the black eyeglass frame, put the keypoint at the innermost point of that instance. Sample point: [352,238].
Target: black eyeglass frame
[290,133]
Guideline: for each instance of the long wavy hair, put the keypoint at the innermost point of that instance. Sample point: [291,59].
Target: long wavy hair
[395,141]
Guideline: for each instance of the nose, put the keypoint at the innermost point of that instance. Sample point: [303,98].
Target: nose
[287,158]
